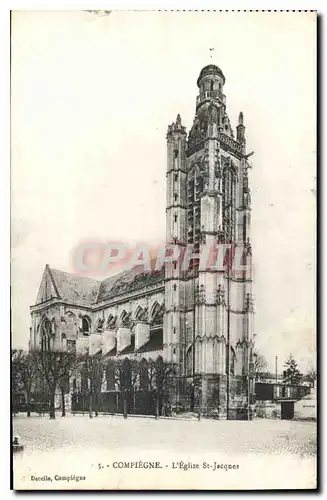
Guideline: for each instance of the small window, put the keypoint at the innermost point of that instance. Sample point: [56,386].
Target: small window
[175,266]
[174,309]
[175,287]
[174,330]
[175,218]
[63,336]
[174,351]
[175,197]
[176,177]
[175,154]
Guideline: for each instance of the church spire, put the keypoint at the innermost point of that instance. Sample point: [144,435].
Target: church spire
[240,129]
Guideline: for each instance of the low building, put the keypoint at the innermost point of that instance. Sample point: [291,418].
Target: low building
[278,400]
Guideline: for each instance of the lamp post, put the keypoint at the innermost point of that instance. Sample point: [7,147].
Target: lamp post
[250,377]
[276,371]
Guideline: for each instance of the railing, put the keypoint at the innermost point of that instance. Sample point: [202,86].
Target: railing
[235,146]
[210,94]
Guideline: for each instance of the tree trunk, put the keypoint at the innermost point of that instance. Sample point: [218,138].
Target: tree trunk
[27,399]
[125,406]
[157,407]
[52,412]
[63,406]
[96,404]
[192,398]
[90,405]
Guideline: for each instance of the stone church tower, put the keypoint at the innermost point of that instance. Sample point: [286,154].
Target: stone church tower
[208,322]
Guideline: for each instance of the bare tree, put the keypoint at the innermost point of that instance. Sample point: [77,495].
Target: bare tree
[93,368]
[151,372]
[69,363]
[311,375]
[259,363]
[124,379]
[23,374]
[54,367]
[165,380]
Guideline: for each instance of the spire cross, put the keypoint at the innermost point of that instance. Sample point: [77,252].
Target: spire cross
[211,52]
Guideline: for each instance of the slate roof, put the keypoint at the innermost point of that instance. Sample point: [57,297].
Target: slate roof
[84,291]
[155,343]
[127,350]
[113,352]
[76,289]
[127,281]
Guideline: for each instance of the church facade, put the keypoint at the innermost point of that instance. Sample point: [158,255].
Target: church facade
[200,319]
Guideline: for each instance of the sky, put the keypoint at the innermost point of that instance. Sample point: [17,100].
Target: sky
[91,101]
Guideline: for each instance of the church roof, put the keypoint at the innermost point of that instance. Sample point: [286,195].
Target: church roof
[76,289]
[128,281]
[85,291]
[153,344]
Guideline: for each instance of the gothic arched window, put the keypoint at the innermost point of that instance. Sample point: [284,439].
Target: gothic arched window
[46,333]
[156,314]
[229,203]
[71,322]
[125,319]
[85,326]
[189,361]
[138,313]
[232,360]
[111,321]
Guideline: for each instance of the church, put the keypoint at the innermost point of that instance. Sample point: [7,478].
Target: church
[199,319]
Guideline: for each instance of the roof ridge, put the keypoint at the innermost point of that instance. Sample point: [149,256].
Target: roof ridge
[53,281]
[75,275]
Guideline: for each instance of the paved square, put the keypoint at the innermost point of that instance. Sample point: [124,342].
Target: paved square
[78,445]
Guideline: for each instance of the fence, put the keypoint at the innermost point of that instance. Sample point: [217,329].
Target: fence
[137,402]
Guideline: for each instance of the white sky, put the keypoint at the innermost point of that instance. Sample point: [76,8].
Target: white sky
[91,101]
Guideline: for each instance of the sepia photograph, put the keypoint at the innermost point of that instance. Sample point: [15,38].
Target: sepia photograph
[163,250]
